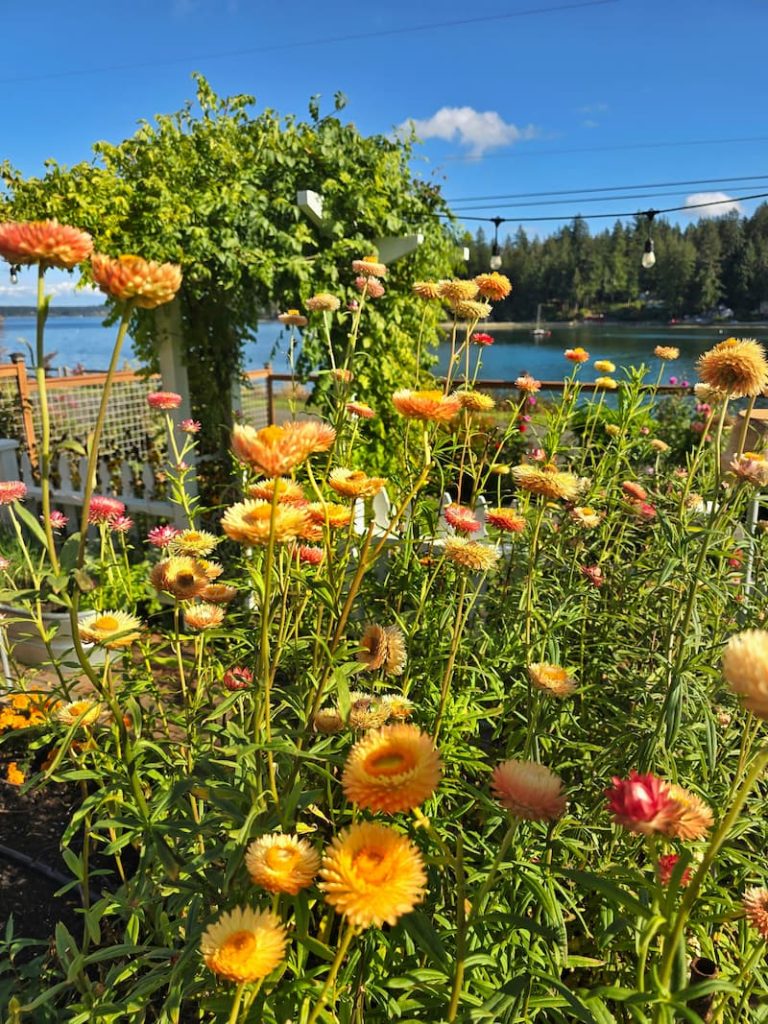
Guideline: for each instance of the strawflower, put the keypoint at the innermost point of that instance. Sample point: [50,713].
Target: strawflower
[577,355]
[471,310]
[309,555]
[161,536]
[493,286]
[218,593]
[505,519]
[323,302]
[372,287]
[103,509]
[130,278]
[585,516]
[203,616]
[12,490]
[551,679]
[383,647]
[110,629]
[481,338]
[547,481]
[183,577]
[426,405]
[275,451]
[752,468]
[45,242]
[190,426]
[193,543]
[475,401]
[594,574]
[165,400]
[353,483]
[237,678]
[692,817]
[641,803]
[427,290]
[367,711]
[736,366]
[605,366]
[458,291]
[85,712]
[756,909]
[369,267]
[461,519]
[282,863]
[121,524]
[57,519]
[668,352]
[606,383]
[244,944]
[471,554]
[360,409]
[288,491]
[292,318]
[634,490]
[528,790]
[372,875]
[745,667]
[666,866]
[250,522]
[395,768]
[528,384]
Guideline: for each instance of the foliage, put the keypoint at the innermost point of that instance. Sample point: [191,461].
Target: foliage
[214,190]
[553,920]
[709,262]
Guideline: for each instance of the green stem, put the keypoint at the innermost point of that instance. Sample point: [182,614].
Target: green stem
[745,426]
[264,651]
[340,954]
[461,935]
[45,421]
[234,1013]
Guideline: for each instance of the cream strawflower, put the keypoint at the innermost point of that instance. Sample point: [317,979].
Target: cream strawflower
[85,712]
[110,629]
[745,667]
[282,863]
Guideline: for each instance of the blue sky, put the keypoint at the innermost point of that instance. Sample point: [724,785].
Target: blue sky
[570,96]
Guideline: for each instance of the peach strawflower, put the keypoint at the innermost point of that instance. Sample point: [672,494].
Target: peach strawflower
[383,648]
[426,405]
[505,519]
[751,467]
[353,483]
[756,909]
[275,451]
[493,286]
[475,401]
[605,366]
[458,291]
[282,863]
[309,555]
[203,616]
[606,383]
[529,790]
[335,516]
[577,355]
[361,409]
[370,267]
[528,384]
[705,393]
[547,481]
[634,490]
[736,366]
[745,667]
[161,536]
[219,593]
[288,491]
[641,803]
[395,768]
[585,516]
[165,400]
[372,287]
[292,318]
[181,576]
[551,679]
[461,518]
[323,302]
[668,352]
[85,712]
[212,570]
[250,522]
[470,554]
[244,944]
[471,310]
[130,278]
[372,875]
[12,490]
[45,242]
[110,629]
[692,818]
[427,290]
[193,542]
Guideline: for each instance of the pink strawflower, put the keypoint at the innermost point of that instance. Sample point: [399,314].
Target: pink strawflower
[667,863]
[594,574]
[537,454]
[461,519]
[4,563]
[641,803]
[161,536]
[644,510]
[238,678]
[191,426]
[372,286]
[121,524]
[103,509]
[12,490]
[57,520]
[163,400]
[310,555]
[480,338]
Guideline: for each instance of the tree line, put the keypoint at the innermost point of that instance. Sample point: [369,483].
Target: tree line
[711,263]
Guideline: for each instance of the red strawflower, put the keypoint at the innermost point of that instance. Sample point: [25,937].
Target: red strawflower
[641,803]
[480,338]
[667,863]
[310,555]
[163,400]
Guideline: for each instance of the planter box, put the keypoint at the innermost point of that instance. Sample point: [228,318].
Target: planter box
[26,646]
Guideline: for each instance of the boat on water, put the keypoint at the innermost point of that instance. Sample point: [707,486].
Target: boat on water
[539,331]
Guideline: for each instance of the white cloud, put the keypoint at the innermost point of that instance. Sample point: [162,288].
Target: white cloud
[64,291]
[727,205]
[589,123]
[593,108]
[479,130]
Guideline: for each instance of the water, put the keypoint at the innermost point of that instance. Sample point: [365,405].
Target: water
[85,341]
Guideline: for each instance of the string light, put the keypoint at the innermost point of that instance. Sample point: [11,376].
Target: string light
[649,256]
[15,275]
[495,260]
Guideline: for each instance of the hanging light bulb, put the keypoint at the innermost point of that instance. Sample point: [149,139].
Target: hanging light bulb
[14,275]
[496,254]
[649,256]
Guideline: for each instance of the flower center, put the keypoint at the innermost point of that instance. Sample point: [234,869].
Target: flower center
[185,579]
[107,622]
[237,947]
[388,763]
[372,866]
[281,858]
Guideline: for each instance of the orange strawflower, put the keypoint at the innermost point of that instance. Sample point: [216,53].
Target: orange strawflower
[577,355]
[426,405]
[668,352]
[493,286]
[692,818]
[244,944]
[131,279]
[395,768]
[457,291]
[203,616]
[282,863]
[551,678]
[372,875]
[361,409]
[250,522]
[735,366]
[353,483]
[322,512]
[45,242]
[275,451]
[218,593]
[505,519]
[288,491]
[471,554]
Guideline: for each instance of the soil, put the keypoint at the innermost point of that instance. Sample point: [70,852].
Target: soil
[32,824]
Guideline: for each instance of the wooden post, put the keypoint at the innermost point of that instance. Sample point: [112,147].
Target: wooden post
[25,404]
[270,397]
